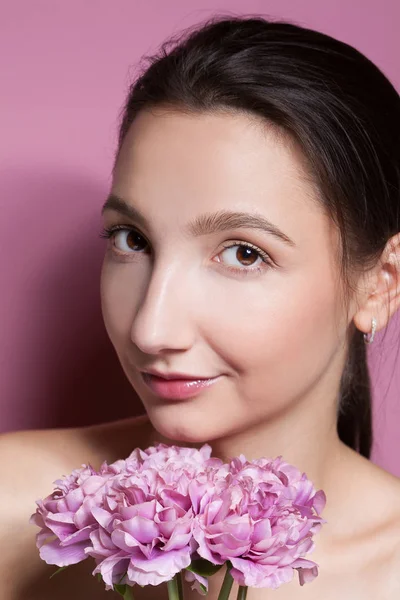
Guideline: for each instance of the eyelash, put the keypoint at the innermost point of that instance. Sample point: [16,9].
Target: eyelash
[109,232]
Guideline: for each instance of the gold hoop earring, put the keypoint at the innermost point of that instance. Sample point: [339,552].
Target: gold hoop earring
[369,341]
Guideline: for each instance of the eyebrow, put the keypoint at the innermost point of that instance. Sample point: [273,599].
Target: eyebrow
[207,223]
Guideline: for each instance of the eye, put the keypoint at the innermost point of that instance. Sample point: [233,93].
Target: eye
[125,239]
[249,258]
[246,255]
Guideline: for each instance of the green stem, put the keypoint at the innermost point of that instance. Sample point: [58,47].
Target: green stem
[242,593]
[173,589]
[180,585]
[226,586]
[128,593]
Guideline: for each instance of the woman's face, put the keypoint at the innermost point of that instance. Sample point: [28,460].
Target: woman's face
[259,311]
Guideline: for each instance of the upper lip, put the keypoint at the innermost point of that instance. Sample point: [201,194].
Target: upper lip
[174,375]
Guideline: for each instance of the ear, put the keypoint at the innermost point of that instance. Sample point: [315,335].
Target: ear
[381,295]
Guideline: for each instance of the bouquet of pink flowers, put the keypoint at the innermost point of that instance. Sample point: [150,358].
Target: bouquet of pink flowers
[168,512]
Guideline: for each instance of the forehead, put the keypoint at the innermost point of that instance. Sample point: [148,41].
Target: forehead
[218,144]
[174,164]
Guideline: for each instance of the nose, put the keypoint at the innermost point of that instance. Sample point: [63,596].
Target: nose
[163,321]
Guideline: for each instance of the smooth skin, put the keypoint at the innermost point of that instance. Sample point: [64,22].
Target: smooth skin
[175,299]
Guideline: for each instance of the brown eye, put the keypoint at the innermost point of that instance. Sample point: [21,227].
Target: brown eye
[128,240]
[245,255]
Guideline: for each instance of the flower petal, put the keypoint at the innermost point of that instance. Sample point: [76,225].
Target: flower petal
[63,556]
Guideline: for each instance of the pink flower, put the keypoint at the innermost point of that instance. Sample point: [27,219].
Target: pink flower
[147,517]
[144,531]
[164,457]
[65,518]
[145,524]
[262,522]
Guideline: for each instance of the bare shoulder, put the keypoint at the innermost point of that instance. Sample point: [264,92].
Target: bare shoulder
[378,501]
[390,560]
[32,460]
[30,463]
[393,532]
[381,544]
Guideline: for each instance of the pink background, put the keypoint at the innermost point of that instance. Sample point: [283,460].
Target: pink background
[64,70]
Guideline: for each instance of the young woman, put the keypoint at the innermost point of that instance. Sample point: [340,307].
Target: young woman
[254,249]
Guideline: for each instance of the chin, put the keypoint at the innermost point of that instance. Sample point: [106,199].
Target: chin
[177,425]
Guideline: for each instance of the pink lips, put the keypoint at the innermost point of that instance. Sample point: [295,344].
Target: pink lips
[176,389]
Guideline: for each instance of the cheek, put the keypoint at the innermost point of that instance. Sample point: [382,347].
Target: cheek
[120,295]
[279,342]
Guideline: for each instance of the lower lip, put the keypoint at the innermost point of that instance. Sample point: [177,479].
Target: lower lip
[176,389]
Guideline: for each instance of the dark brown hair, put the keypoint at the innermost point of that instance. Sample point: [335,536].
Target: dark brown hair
[335,103]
